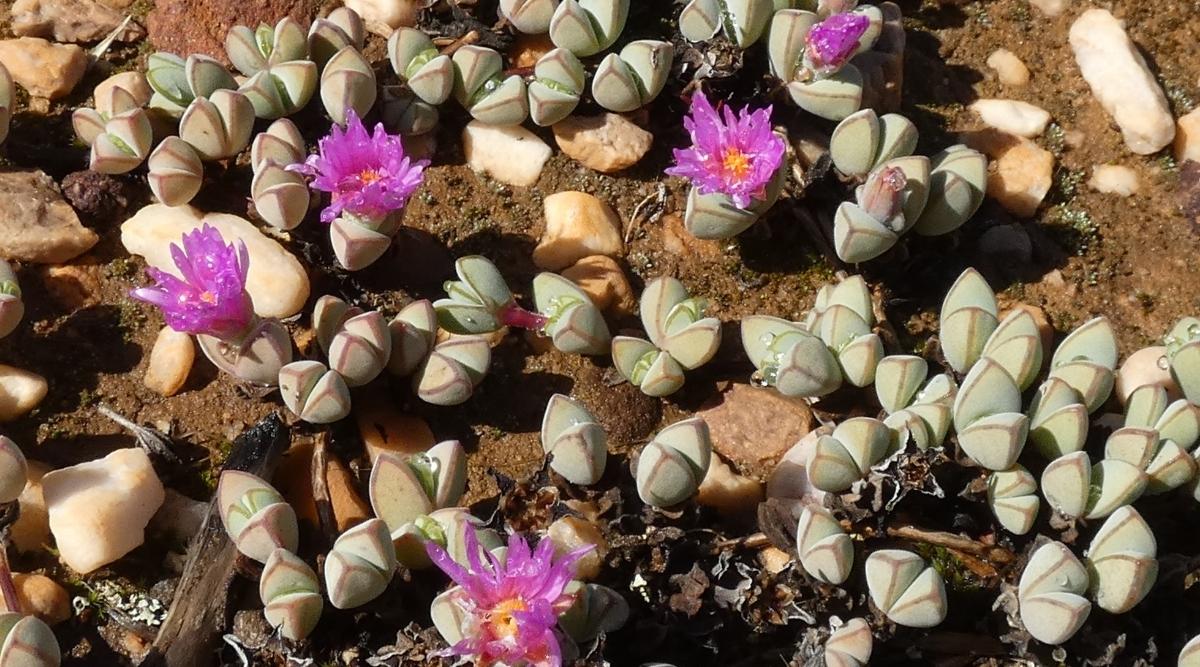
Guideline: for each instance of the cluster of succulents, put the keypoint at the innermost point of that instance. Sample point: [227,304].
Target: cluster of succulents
[25,640]
[681,338]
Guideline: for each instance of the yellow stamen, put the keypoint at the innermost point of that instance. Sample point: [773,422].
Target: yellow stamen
[208,297]
[736,163]
[368,176]
[501,618]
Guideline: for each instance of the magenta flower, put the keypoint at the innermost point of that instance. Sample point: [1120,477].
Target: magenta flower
[832,42]
[734,155]
[511,608]
[367,176]
[211,297]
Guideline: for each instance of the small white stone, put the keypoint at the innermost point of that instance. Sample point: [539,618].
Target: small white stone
[1114,179]
[1009,68]
[578,225]
[43,68]
[1187,137]
[31,530]
[726,491]
[20,392]
[511,155]
[99,509]
[1050,8]
[1121,81]
[1020,173]
[1014,117]
[392,13]
[170,362]
[277,281]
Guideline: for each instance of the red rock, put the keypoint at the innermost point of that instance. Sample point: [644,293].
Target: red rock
[753,428]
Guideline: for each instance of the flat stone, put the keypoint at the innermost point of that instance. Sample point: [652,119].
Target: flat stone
[20,392]
[511,155]
[1050,8]
[277,282]
[390,13]
[1187,137]
[36,223]
[99,510]
[73,286]
[774,560]
[1012,116]
[607,143]
[134,83]
[1020,172]
[726,491]
[677,240]
[349,508]
[44,69]
[31,531]
[1114,179]
[42,597]
[578,225]
[1009,68]
[753,427]
[70,21]
[383,428]
[1121,81]
[200,26]
[170,362]
[602,279]
[570,533]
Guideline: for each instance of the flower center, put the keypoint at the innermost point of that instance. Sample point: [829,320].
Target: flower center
[208,297]
[501,618]
[736,163]
[369,176]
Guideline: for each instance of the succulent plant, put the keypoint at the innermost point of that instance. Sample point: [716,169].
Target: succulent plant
[864,141]
[13,470]
[252,51]
[360,348]
[1190,655]
[786,356]
[313,392]
[89,123]
[452,370]
[449,529]
[716,216]
[587,27]
[291,595]
[281,197]
[906,589]
[742,21]
[914,413]
[826,551]
[1012,495]
[7,92]
[957,183]
[1121,561]
[1077,488]
[413,330]
[360,565]
[12,307]
[987,416]
[1050,594]
[833,95]
[403,112]
[554,92]
[348,84]
[327,36]
[531,17]
[218,126]
[576,445]
[482,89]
[256,358]
[632,79]
[175,172]
[968,317]
[358,242]
[414,495]
[281,145]
[124,144]
[572,321]
[846,455]
[479,302]
[176,82]
[1156,437]
[849,645]
[672,465]
[885,207]
[1183,353]
[1016,344]
[1058,419]
[597,610]
[255,515]
[1086,360]
[417,62]
[282,89]
[843,317]
[681,338]
[26,641]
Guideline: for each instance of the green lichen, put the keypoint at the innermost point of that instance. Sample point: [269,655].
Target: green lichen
[958,577]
